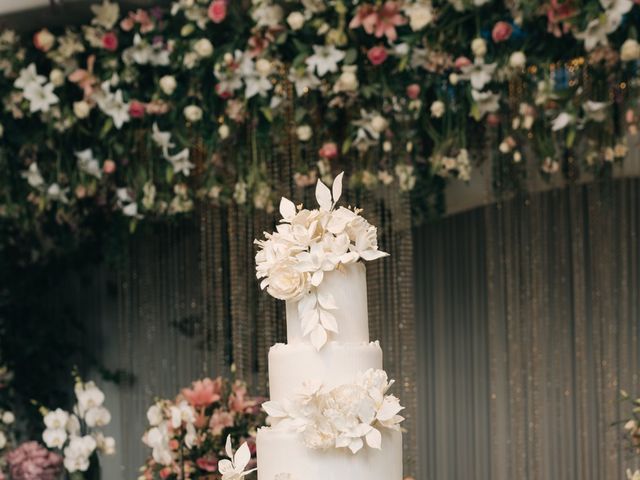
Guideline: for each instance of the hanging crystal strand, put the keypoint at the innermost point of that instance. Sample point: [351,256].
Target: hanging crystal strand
[217,271]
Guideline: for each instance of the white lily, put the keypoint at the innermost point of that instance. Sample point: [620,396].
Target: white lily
[180,162]
[562,121]
[478,73]
[304,80]
[29,76]
[33,176]
[234,467]
[487,102]
[41,97]
[88,164]
[325,59]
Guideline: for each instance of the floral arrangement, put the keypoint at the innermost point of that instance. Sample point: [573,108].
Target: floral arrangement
[143,113]
[293,260]
[187,435]
[77,435]
[31,461]
[346,416]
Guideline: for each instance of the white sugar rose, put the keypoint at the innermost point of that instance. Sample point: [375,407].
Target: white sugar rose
[304,133]
[437,109]
[168,84]
[287,283]
[81,109]
[518,60]
[630,50]
[479,47]
[295,20]
[203,48]
[193,113]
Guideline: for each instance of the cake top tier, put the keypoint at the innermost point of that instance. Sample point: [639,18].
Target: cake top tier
[307,245]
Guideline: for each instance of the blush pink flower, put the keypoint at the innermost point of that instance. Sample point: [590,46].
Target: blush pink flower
[558,12]
[43,40]
[413,91]
[203,392]
[462,62]
[208,463]
[501,32]
[239,401]
[377,55]
[379,20]
[217,11]
[110,41]
[31,461]
[109,167]
[219,421]
[136,109]
[329,150]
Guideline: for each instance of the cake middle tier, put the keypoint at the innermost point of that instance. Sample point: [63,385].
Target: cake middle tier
[336,364]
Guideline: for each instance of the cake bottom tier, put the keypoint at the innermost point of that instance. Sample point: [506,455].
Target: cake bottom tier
[283,456]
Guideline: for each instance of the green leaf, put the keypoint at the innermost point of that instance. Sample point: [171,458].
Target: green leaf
[351,56]
[106,128]
[299,115]
[571,137]
[346,146]
[169,173]
[268,114]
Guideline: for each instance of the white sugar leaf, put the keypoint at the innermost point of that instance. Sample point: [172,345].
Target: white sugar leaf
[228,448]
[323,196]
[337,188]
[374,439]
[309,321]
[316,278]
[306,303]
[327,301]
[355,445]
[242,458]
[371,254]
[274,409]
[287,209]
[342,442]
[328,321]
[318,337]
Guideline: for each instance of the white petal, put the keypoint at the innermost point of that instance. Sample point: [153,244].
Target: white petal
[318,337]
[328,321]
[371,254]
[308,302]
[316,278]
[337,188]
[242,458]
[274,409]
[228,448]
[355,445]
[327,301]
[225,466]
[309,321]
[374,439]
[323,196]
[287,208]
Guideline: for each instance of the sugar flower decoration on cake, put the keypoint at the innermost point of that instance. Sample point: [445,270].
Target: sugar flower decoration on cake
[307,244]
[234,467]
[347,416]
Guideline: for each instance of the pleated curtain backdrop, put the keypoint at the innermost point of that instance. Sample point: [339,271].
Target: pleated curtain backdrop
[527,318]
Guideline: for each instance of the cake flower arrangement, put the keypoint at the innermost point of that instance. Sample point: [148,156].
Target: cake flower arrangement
[187,435]
[308,244]
[346,416]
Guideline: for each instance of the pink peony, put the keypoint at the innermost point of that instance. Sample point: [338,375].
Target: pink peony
[110,41]
[109,167]
[413,91]
[380,20]
[31,461]
[501,32]
[462,62]
[218,11]
[329,150]
[377,55]
[136,109]
[203,392]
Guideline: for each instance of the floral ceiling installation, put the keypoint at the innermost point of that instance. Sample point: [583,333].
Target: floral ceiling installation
[140,114]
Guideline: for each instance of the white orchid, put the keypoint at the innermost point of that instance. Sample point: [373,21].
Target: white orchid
[41,97]
[478,73]
[33,176]
[615,10]
[54,437]
[325,59]
[234,467]
[88,164]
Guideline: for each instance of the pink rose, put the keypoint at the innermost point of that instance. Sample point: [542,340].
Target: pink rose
[43,40]
[218,11]
[377,55]
[493,120]
[110,41]
[136,109]
[329,151]
[109,167]
[127,24]
[462,62]
[413,91]
[501,32]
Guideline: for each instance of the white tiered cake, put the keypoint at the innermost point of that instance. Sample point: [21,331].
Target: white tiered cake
[331,416]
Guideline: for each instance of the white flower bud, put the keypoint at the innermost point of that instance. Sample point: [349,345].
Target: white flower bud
[81,109]
[193,113]
[56,77]
[224,131]
[630,50]
[168,84]
[437,109]
[518,60]
[479,47]
[454,79]
[8,418]
[295,20]
[203,48]
[263,67]
[304,133]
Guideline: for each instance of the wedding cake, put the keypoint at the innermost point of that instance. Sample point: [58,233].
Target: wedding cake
[330,414]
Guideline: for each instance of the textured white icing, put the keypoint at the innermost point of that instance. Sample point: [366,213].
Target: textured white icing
[348,287]
[336,364]
[285,452]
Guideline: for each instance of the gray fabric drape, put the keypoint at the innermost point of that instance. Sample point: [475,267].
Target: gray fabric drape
[528,314]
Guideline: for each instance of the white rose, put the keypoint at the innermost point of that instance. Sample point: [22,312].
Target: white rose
[348,80]
[630,50]
[203,47]
[3,440]
[437,109]
[56,77]
[304,133]
[81,109]
[420,15]
[263,67]
[224,131]
[193,113]
[168,84]
[518,60]
[379,123]
[295,20]
[287,283]
[454,78]
[8,418]
[479,47]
